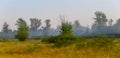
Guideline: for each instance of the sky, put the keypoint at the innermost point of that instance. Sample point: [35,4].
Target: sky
[82,10]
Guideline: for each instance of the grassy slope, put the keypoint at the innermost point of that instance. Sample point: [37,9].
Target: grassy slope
[36,49]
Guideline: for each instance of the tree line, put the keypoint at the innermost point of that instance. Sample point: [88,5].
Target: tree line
[102,27]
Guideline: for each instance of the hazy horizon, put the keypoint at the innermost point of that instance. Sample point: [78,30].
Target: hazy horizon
[82,10]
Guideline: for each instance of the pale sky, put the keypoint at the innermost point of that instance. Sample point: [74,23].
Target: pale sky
[82,10]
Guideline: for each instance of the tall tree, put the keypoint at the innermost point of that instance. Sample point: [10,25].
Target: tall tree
[22,32]
[35,24]
[76,28]
[100,19]
[76,24]
[47,27]
[6,28]
[110,22]
[100,22]
[116,26]
[66,27]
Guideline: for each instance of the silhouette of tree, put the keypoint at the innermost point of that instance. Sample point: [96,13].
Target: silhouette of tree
[47,27]
[110,22]
[116,27]
[100,19]
[35,24]
[6,28]
[100,22]
[76,24]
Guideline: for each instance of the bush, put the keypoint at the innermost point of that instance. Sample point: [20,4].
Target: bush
[62,40]
[21,36]
[66,37]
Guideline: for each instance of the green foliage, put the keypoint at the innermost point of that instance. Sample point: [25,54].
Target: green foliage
[62,40]
[66,28]
[22,33]
[65,38]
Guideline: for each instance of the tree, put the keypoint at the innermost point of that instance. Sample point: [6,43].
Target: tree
[66,37]
[100,22]
[100,19]
[47,27]
[35,24]
[22,32]
[116,26]
[76,28]
[77,24]
[6,28]
[66,28]
[110,22]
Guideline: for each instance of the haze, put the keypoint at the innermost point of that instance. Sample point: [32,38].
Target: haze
[82,10]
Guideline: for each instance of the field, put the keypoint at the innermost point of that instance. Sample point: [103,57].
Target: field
[37,49]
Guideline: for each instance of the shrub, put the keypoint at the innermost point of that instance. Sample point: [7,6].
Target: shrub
[62,40]
[65,38]
[66,28]
[22,36]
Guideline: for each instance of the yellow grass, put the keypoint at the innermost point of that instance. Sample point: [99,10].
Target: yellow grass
[36,49]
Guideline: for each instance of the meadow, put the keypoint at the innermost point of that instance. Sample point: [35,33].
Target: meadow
[84,48]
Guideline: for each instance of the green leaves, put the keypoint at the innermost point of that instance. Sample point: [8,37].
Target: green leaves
[22,33]
[66,28]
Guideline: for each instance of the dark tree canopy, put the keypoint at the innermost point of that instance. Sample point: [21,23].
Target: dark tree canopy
[100,24]
[76,24]
[116,26]
[47,27]
[6,28]
[110,22]
[100,19]
[35,24]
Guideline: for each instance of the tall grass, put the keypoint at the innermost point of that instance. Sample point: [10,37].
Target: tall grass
[82,48]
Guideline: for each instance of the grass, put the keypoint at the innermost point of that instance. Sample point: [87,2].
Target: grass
[37,49]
